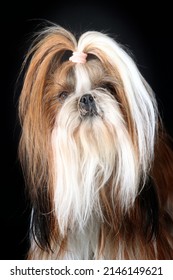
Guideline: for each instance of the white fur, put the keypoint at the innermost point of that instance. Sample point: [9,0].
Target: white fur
[87,152]
[140,97]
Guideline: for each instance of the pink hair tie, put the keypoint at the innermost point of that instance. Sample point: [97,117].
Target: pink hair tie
[78,57]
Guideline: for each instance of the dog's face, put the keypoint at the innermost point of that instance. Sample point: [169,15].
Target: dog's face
[88,129]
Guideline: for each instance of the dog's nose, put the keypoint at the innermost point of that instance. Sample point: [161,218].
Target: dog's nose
[87,105]
[87,100]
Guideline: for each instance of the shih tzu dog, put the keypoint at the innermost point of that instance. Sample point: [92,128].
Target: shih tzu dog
[95,156]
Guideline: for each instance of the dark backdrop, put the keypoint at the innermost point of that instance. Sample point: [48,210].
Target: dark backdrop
[145,30]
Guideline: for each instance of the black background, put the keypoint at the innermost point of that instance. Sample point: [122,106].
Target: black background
[144,28]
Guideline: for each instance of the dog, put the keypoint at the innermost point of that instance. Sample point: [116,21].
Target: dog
[94,152]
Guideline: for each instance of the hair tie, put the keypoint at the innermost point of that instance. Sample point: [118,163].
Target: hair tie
[78,57]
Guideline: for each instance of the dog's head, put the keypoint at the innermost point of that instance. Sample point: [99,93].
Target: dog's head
[88,126]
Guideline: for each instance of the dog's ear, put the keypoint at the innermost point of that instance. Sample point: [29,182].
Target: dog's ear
[137,99]
[46,52]
[44,57]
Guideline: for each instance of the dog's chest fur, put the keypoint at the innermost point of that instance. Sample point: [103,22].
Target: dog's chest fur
[82,245]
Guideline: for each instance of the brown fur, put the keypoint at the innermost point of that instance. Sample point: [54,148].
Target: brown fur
[136,233]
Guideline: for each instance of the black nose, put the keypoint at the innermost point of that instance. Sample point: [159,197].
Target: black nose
[87,100]
[87,105]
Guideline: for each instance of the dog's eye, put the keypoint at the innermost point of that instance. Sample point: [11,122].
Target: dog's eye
[109,87]
[62,96]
